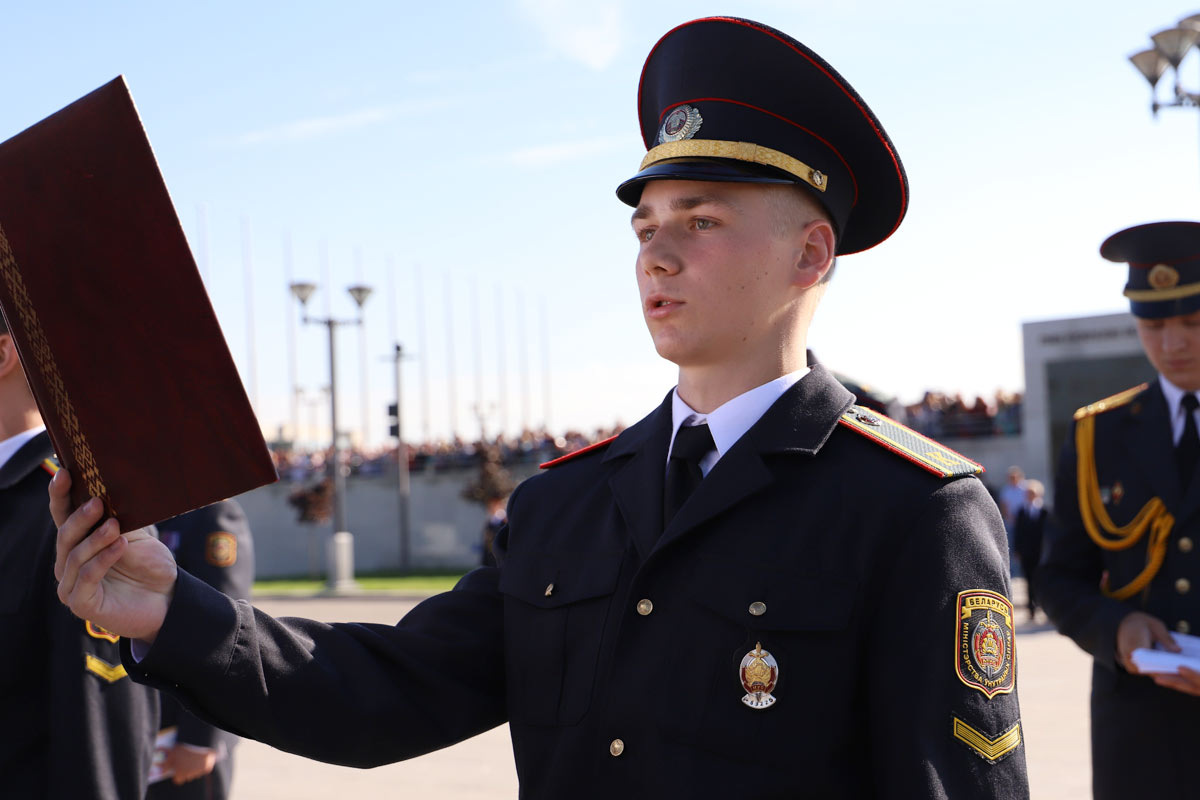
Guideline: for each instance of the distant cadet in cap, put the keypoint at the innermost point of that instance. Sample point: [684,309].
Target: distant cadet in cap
[754,591]
[1121,572]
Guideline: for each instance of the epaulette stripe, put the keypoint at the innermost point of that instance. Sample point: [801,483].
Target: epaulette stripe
[1107,404]
[50,466]
[576,453]
[938,459]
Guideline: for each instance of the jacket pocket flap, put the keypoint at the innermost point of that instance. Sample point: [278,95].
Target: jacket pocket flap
[559,579]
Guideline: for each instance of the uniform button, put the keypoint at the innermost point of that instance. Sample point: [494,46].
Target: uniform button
[616,747]
[549,590]
[1183,585]
[758,608]
[644,607]
[1185,545]
[1182,626]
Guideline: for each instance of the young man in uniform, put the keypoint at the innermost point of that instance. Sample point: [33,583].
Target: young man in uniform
[785,630]
[1119,569]
[74,724]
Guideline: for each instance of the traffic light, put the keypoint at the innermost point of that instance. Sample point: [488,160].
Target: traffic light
[394,420]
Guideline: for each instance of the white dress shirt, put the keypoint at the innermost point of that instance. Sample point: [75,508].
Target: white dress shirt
[731,419]
[1174,396]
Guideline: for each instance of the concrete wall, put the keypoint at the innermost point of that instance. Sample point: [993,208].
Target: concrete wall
[446,530]
[1068,364]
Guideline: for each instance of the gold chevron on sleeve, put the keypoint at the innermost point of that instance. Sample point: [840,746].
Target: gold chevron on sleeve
[991,750]
[111,673]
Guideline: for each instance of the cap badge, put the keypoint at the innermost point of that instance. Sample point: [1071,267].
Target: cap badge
[1163,277]
[759,673]
[682,123]
[985,642]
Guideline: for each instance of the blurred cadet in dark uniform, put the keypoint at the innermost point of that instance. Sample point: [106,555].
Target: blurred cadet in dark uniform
[1121,569]
[74,725]
[491,489]
[1029,533]
[213,544]
[755,591]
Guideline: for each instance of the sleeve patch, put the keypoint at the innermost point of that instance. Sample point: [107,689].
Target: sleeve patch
[96,632]
[991,749]
[109,672]
[985,647]
[220,549]
[905,442]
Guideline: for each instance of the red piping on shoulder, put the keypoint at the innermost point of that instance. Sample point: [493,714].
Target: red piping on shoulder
[555,462]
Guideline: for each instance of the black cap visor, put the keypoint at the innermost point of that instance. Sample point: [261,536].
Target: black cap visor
[1162,309]
[711,169]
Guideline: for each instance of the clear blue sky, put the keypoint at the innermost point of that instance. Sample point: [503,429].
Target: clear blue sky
[461,158]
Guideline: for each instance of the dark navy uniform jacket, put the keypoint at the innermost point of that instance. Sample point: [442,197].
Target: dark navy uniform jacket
[214,544]
[73,724]
[613,647]
[1144,738]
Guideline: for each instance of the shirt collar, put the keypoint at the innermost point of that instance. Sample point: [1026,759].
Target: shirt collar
[1174,397]
[10,446]
[1173,394]
[729,421]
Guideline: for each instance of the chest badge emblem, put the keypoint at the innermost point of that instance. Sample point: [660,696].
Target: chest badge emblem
[759,672]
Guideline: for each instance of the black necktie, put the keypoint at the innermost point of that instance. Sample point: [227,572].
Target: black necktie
[1188,448]
[683,468]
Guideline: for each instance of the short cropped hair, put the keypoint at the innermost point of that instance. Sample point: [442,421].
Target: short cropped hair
[792,204]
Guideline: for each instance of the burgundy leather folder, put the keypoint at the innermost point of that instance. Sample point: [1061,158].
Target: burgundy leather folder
[112,322]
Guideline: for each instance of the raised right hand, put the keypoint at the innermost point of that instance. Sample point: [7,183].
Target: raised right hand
[122,582]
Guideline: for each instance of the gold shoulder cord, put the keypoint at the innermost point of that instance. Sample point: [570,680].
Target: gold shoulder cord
[1154,515]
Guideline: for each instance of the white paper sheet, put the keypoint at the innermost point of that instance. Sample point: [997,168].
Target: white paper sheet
[1162,661]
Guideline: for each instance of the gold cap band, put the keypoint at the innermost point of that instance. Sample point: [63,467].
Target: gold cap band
[738,151]
[1151,295]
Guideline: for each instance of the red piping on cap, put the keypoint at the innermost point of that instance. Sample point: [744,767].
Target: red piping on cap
[780,117]
[806,57]
[1149,264]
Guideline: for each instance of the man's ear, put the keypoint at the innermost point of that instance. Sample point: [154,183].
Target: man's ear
[817,248]
[8,356]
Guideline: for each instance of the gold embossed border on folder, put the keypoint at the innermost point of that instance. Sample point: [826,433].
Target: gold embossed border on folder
[48,370]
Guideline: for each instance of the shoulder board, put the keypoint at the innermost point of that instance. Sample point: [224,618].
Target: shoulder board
[50,465]
[921,450]
[1107,404]
[576,453]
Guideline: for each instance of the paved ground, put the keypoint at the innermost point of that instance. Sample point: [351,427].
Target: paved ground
[1053,675]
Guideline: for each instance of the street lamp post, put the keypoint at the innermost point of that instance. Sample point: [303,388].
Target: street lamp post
[340,577]
[403,486]
[1169,47]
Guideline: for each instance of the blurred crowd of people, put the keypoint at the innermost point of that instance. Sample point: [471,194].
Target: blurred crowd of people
[936,415]
[939,415]
[530,447]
